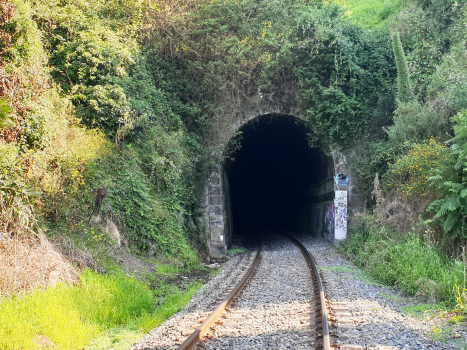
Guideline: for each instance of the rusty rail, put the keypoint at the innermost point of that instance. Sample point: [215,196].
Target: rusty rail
[202,330]
[315,277]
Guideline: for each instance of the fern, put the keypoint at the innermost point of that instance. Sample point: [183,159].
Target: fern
[451,209]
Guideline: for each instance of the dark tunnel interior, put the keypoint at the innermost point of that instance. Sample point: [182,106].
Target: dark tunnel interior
[270,175]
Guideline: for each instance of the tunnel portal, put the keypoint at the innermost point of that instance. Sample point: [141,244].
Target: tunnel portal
[271,175]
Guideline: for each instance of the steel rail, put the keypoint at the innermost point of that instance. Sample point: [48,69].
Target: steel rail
[203,329]
[324,313]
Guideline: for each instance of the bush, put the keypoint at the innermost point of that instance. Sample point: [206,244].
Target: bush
[408,262]
[410,173]
[413,122]
[449,180]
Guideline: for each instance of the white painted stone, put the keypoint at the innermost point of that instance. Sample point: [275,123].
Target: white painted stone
[340,205]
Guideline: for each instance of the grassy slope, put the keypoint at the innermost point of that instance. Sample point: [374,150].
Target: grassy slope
[102,312]
[405,261]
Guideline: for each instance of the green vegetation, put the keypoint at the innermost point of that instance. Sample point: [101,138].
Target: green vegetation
[237,250]
[370,13]
[408,262]
[441,334]
[429,310]
[392,297]
[353,272]
[138,98]
[403,80]
[107,308]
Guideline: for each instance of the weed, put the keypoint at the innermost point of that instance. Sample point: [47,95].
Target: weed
[428,310]
[237,250]
[441,333]
[405,261]
[166,269]
[112,300]
[341,269]
[122,337]
[356,273]
[457,319]
[461,344]
[391,297]
[50,313]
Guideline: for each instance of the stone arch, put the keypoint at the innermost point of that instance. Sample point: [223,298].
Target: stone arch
[316,213]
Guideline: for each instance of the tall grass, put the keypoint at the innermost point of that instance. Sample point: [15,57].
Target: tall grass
[43,316]
[172,304]
[69,317]
[406,261]
[111,300]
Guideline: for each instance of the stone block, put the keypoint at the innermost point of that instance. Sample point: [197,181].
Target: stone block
[215,200]
[216,218]
[219,240]
[351,347]
[216,209]
[214,190]
[217,252]
[217,229]
[214,179]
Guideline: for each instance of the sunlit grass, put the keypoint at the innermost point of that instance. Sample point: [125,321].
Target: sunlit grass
[104,311]
[370,13]
[49,316]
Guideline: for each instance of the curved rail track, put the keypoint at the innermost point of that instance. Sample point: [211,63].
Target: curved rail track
[224,321]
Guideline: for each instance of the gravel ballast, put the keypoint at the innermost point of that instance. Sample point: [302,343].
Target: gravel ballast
[376,311]
[275,310]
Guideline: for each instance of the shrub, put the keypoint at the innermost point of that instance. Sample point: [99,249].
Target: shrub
[451,207]
[410,173]
[415,123]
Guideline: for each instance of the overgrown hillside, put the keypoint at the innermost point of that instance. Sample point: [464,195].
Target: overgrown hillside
[134,97]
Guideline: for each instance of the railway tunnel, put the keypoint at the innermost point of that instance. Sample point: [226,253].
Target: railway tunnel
[275,180]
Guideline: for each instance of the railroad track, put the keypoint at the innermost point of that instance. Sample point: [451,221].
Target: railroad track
[279,303]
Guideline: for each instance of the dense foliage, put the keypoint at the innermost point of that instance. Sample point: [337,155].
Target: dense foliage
[138,98]
[409,262]
[161,83]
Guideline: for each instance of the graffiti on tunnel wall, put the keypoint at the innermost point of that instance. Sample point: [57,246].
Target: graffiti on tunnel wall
[329,221]
[318,218]
[340,202]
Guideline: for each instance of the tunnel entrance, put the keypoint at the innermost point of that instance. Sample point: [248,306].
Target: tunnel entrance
[271,181]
